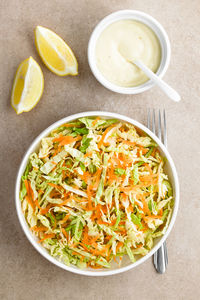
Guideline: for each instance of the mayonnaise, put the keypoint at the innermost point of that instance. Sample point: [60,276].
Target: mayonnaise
[122,42]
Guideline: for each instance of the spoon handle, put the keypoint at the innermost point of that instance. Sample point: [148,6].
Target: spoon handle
[169,91]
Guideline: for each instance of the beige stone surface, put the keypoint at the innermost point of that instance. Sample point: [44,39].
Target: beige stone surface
[24,273]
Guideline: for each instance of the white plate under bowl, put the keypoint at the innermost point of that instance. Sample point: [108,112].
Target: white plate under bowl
[126,264]
[142,17]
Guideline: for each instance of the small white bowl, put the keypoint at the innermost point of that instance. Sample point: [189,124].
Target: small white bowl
[129,15]
[126,264]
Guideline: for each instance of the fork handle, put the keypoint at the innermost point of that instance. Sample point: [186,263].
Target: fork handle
[160,259]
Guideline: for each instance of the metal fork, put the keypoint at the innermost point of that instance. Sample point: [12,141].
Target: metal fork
[160,258]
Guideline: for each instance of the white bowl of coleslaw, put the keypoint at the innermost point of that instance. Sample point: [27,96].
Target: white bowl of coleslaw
[126,265]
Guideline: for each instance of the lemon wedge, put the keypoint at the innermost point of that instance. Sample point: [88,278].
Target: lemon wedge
[28,86]
[55,53]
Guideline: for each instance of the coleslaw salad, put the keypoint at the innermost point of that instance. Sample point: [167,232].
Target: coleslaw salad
[114,225]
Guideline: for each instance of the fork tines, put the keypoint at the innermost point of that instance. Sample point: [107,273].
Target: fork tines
[158,125]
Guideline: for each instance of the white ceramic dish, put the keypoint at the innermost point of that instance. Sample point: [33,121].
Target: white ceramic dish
[129,15]
[127,265]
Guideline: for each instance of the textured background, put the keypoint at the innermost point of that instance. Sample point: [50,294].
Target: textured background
[25,274]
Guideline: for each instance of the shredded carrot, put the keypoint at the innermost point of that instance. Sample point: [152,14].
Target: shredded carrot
[97,178]
[64,202]
[30,196]
[130,209]
[84,246]
[100,222]
[71,125]
[98,252]
[121,230]
[77,253]
[85,235]
[151,217]
[28,199]
[144,226]
[114,257]
[44,211]
[148,168]
[86,176]
[145,208]
[122,222]
[94,239]
[77,145]
[57,151]
[27,186]
[125,160]
[89,197]
[65,140]
[65,219]
[47,236]
[35,168]
[55,194]
[97,213]
[69,139]
[40,228]
[88,154]
[63,174]
[65,233]
[104,135]
[144,151]
[94,267]
[148,177]
[37,204]
[95,121]
[127,189]
[31,191]
[120,244]
[153,152]
[58,139]
[111,174]
[108,237]
[108,255]
[82,258]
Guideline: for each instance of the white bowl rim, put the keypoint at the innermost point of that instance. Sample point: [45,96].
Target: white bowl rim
[161,70]
[23,164]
